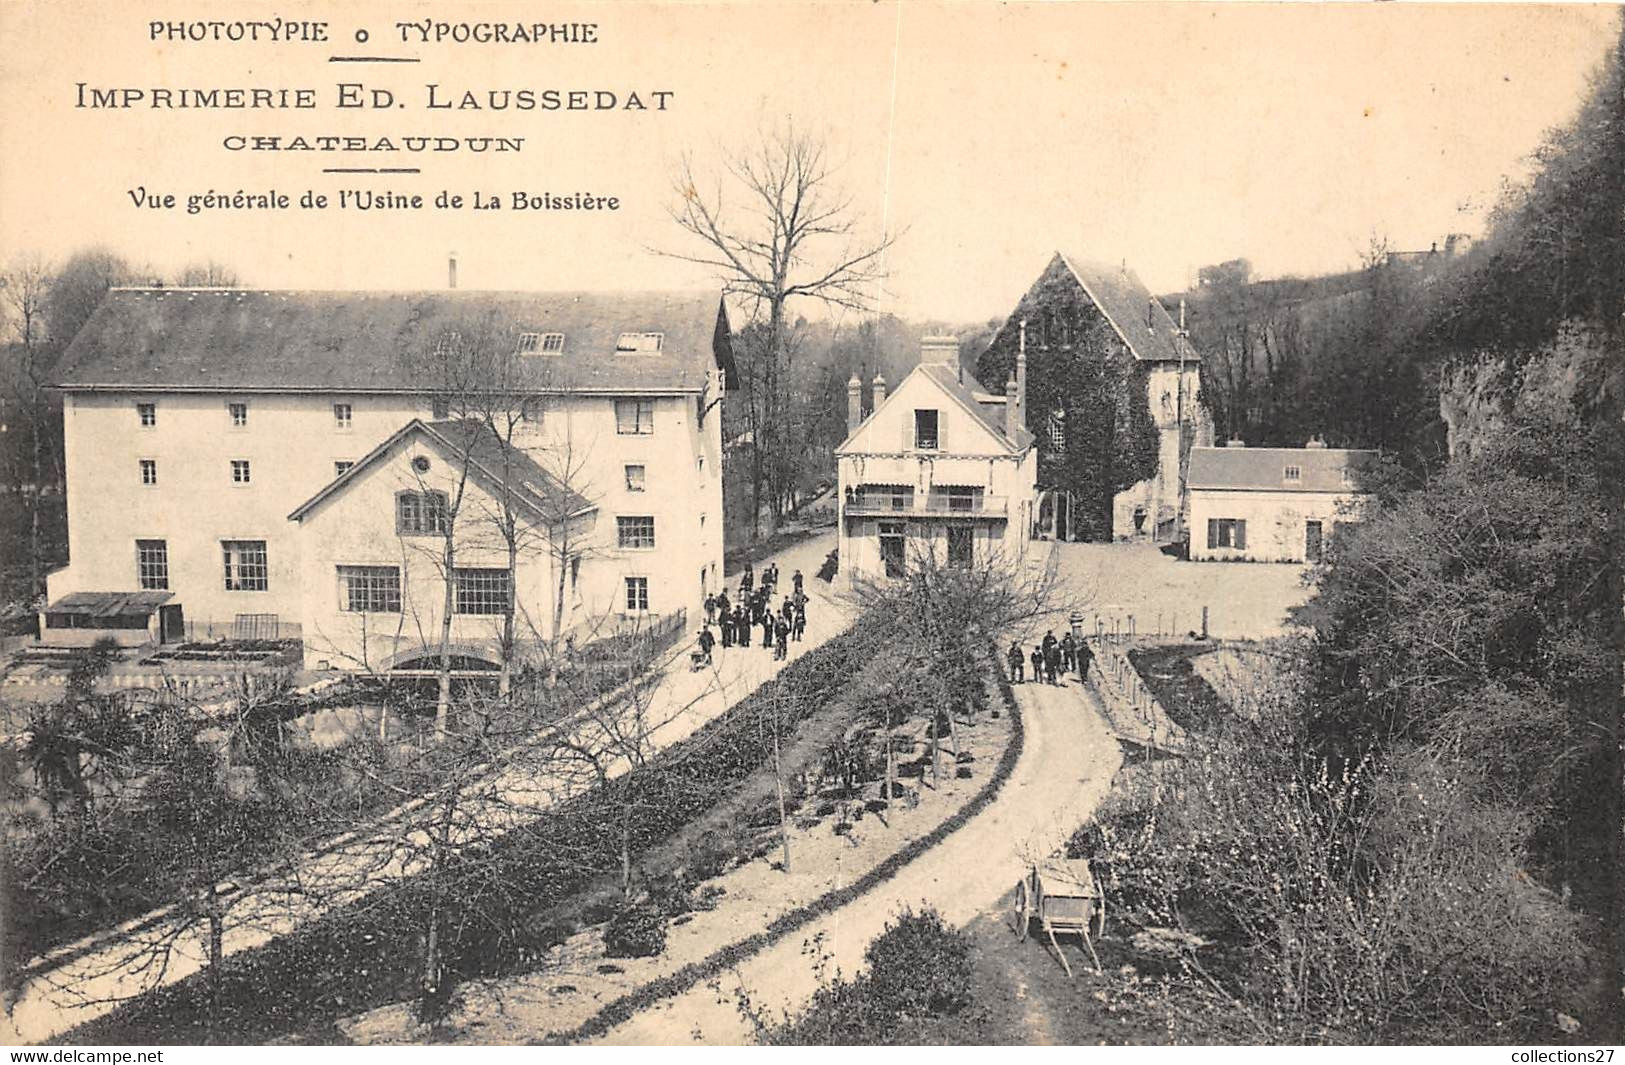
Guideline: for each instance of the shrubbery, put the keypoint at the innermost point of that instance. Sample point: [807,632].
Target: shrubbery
[638,930]
[918,967]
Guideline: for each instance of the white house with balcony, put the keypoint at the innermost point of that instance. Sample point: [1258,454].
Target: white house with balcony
[940,467]
[247,460]
[1272,504]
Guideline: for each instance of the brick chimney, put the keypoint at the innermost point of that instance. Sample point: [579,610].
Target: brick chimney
[879,392]
[941,351]
[854,404]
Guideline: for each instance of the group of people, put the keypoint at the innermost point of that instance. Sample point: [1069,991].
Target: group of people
[1050,659]
[739,618]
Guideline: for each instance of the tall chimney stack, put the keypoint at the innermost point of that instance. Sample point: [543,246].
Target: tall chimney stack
[1019,412]
[879,388]
[854,404]
[451,271]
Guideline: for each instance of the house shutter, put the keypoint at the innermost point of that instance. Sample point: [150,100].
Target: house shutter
[908,435]
[1241,534]
[1212,533]
[942,430]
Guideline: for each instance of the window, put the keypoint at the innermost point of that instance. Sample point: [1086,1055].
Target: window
[341,415]
[552,343]
[1057,432]
[371,589]
[961,497]
[1227,532]
[635,417]
[149,471]
[531,411]
[152,564]
[642,343]
[421,513]
[239,414]
[246,566]
[961,545]
[1348,477]
[528,342]
[440,408]
[147,413]
[239,471]
[482,591]
[1293,473]
[891,547]
[341,467]
[637,533]
[925,430]
[634,478]
[637,595]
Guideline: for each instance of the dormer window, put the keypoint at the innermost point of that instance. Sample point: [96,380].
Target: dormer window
[552,343]
[1294,474]
[528,343]
[640,343]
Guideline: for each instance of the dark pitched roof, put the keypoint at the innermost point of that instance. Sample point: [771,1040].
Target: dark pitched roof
[1140,319]
[110,604]
[1264,468]
[963,387]
[534,488]
[243,340]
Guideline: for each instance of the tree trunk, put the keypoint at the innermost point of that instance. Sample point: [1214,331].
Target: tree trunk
[505,678]
[778,780]
[35,563]
[626,849]
[442,709]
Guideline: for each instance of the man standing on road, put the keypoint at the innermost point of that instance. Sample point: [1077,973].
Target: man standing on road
[781,647]
[1069,657]
[798,627]
[767,629]
[1085,658]
[1038,662]
[741,626]
[710,609]
[1052,660]
[1017,663]
[727,626]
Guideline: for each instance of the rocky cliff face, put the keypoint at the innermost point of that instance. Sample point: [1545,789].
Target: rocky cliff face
[1580,375]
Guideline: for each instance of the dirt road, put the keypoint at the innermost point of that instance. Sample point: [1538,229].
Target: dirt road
[1066,768]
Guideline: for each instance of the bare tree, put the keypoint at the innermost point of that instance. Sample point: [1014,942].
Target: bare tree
[775,226]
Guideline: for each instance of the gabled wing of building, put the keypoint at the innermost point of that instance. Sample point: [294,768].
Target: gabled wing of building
[303,341]
[492,462]
[963,391]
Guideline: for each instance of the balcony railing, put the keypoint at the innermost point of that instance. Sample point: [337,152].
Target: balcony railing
[932,505]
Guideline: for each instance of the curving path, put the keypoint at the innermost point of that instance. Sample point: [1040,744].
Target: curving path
[1066,768]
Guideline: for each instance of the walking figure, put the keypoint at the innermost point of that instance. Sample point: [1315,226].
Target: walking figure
[799,625]
[727,627]
[1017,662]
[1085,658]
[1052,661]
[707,641]
[741,626]
[1038,662]
[795,579]
[1069,653]
[710,609]
[767,631]
[782,646]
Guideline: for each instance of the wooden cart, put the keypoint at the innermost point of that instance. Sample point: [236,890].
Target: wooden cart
[1063,896]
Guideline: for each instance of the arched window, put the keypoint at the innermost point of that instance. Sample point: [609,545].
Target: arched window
[1057,432]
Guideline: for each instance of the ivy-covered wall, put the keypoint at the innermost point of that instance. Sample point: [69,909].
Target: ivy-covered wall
[1078,365]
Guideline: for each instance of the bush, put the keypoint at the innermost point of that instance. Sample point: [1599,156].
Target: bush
[919,966]
[636,931]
